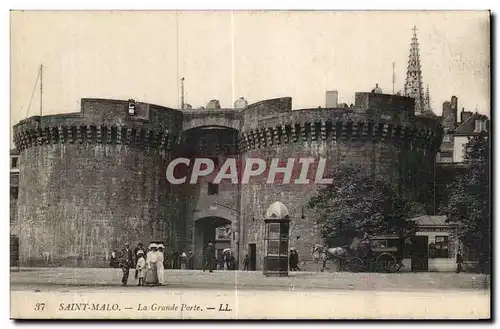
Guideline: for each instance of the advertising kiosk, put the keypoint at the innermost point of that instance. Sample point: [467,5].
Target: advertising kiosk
[276,240]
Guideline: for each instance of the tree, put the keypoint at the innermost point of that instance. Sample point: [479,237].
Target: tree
[469,203]
[355,202]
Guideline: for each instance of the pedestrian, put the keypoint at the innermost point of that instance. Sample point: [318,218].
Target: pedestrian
[126,261]
[221,261]
[208,258]
[226,260]
[140,267]
[459,262]
[294,260]
[183,261]
[151,265]
[246,262]
[114,261]
[324,258]
[232,262]
[140,247]
[316,253]
[175,259]
[160,265]
[191,260]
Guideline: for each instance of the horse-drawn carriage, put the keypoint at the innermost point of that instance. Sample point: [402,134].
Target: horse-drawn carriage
[374,254]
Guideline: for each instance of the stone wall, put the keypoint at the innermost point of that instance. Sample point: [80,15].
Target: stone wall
[92,181]
[343,136]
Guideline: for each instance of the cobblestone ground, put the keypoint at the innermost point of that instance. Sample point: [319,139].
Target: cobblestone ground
[69,279]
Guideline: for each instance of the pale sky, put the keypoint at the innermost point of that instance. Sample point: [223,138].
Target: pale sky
[257,55]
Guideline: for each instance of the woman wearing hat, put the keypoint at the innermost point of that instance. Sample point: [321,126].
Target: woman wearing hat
[151,265]
[159,263]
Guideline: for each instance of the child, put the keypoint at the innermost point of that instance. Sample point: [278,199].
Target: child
[140,268]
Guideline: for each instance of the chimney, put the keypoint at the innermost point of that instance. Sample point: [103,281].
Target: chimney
[464,115]
[332,98]
[454,107]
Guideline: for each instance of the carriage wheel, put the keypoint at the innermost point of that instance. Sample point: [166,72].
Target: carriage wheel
[397,267]
[385,263]
[356,264]
[332,265]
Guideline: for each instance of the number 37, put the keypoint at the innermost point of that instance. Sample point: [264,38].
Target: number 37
[39,306]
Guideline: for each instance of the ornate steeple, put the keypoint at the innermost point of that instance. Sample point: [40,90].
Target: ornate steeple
[414,84]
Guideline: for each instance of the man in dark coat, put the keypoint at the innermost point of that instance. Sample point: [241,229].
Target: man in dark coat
[294,260]
[140,246]
[190,264]
[459,262]
[232,262]
[175,259]
[126,262]
[246,261]
[208,258]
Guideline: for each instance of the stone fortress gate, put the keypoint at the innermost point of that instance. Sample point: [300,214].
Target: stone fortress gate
[91,181]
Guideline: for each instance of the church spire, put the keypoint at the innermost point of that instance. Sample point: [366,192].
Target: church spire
[414,84]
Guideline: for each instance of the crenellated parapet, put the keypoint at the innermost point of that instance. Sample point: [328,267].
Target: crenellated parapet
[402,135]
[94,134]
[103,122]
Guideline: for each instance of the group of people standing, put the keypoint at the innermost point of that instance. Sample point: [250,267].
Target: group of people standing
[148,264]
[211,262]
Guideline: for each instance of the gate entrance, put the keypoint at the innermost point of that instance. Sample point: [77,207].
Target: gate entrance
[215,230]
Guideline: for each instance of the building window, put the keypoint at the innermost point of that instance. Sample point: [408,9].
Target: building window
[439,249]
[14,163]
[479,126]
[213,189]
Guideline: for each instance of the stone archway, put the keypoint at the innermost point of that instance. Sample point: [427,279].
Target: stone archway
[211,229]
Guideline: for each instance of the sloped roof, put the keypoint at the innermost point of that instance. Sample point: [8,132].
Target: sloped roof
[468,126]
[426,220]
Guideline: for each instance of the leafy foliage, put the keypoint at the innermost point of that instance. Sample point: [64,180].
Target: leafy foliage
[358,202]
[469,203]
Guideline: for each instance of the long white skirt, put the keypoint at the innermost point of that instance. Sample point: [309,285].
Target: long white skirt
[161,273]
[151,275]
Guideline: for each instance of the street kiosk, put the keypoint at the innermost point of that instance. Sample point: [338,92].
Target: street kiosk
[276,240]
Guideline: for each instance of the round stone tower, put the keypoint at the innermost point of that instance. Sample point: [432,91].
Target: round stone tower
[380,133]
[94,180]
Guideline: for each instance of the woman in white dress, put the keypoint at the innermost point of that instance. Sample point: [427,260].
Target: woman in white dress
[159,262]
[151,265]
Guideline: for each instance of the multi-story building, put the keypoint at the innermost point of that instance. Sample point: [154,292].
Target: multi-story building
[458,129]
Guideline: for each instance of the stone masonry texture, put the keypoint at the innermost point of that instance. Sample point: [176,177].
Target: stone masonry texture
[93,180]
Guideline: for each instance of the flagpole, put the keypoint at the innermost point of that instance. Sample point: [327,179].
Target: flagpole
[41,89]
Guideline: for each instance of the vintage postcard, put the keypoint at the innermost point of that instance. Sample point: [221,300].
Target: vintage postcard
[250,165]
